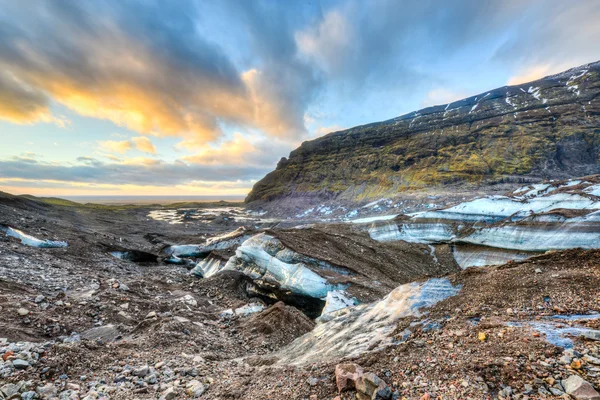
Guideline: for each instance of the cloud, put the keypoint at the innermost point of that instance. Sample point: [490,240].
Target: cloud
[140,143]
[113,146]
[144,145]
[242,151]
[140,172]
[323,130]
[169,80]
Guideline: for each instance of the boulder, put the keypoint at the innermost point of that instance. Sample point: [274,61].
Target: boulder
[580,389]
[346,376]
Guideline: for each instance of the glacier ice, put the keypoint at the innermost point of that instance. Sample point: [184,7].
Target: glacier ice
[535,218]
[413,232]
[29,240]
[479,256]
[365,327]
[223,242]
[259,258]
[336,300]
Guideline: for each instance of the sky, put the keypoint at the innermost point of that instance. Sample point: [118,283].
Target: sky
[121,97]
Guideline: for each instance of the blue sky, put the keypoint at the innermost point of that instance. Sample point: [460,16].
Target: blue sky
[203,98]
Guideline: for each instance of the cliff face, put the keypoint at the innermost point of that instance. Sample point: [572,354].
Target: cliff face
[549,128]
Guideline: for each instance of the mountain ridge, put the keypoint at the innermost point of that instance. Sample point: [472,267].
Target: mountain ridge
[542,129]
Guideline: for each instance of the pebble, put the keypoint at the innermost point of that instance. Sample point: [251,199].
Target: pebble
[23,312]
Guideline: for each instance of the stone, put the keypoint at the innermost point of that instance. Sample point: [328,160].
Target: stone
[30,395]
[169,394]
[151,314]
[10,389]
[368,383]
[576,364]
[189,300]
[105,333]
[20,364]
[40,298]
[383,393]
[580,389]
[482,336]
[195,388]
[346,376]
[46,391]
[141,371]
[23,312]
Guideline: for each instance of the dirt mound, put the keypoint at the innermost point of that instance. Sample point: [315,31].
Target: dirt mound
[278,325]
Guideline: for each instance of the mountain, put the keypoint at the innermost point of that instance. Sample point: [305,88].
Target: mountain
[545,129]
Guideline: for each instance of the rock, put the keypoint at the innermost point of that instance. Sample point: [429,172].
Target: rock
[46,391]
[189,300]
[346,376]
[106,333]
[10,389]
[538,271]
[195,388]
[40,298]
[369,383]
[23,312]
[591,359]
[30,395]
[580,389]
[383,393]
[482,336]
[169,394]
[122,316]
[151,314]
[20,364]
[576,364]
[141,371]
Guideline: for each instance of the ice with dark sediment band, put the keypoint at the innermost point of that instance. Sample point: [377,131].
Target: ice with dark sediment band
[265,260]
[366,327]
[222,242]
[32,241]
[468,256]
[209,266]
[536,218]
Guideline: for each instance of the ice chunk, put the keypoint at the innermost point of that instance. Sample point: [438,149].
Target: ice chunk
[29,240]
[248,309]
[222,242]
[336,300]
[258,258]
[412,232]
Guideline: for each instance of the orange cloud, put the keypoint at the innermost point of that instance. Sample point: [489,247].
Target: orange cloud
[114,146]
[144,145]
[530,74]
[233,152]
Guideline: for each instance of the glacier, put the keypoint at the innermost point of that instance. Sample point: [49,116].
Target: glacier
[533,218]
[32,241]
[265,260]
[366,327]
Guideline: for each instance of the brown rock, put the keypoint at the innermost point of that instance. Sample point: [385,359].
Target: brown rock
[580,389]
[368,383]
[346,376]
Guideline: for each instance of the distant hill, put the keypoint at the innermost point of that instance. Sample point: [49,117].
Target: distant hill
[549,128]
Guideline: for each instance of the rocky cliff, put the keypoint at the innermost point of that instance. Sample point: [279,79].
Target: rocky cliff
[549,128]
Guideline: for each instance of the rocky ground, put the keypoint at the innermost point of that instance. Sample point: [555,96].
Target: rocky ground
[78,323]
